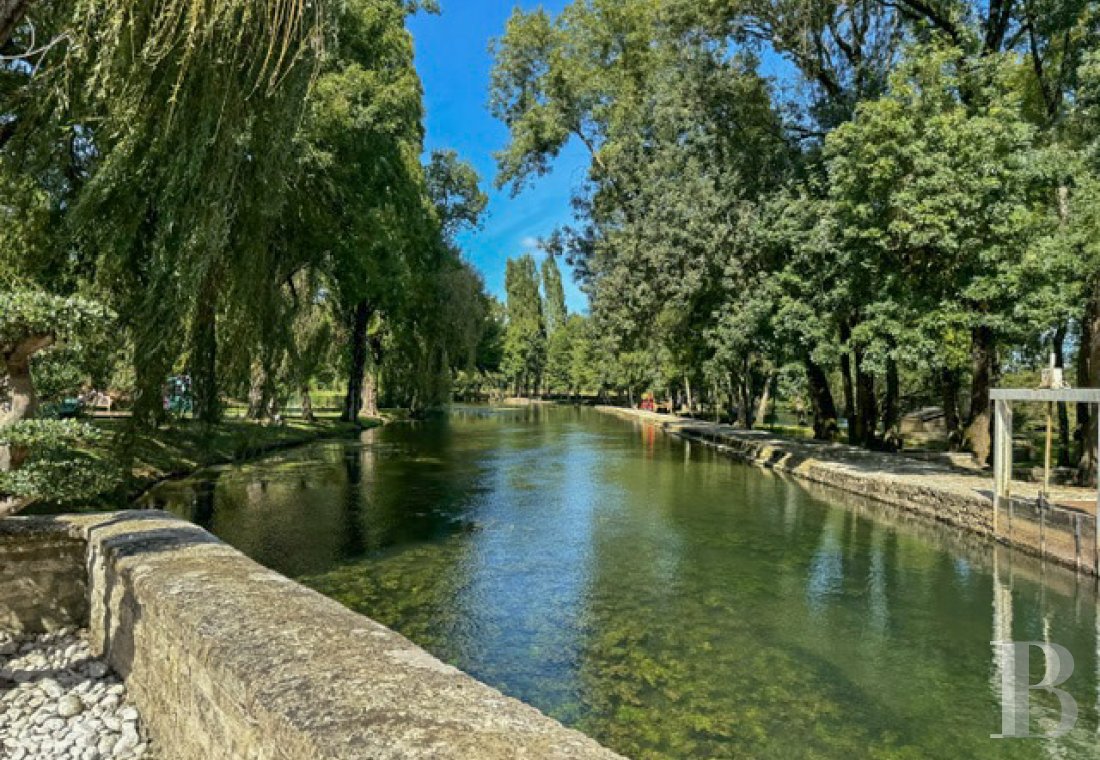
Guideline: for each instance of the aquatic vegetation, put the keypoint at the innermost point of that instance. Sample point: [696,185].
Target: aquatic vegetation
[676,606]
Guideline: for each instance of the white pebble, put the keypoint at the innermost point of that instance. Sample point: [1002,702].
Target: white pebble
[69,706]
[63,704]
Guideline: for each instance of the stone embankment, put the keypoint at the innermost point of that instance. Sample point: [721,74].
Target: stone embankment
[58,701]
[227,659]
[954,495]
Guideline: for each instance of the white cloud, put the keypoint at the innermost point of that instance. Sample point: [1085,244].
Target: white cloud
[530,244]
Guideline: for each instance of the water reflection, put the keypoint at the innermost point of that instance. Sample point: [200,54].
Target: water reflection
[658,596]
[202,511]
[356,463]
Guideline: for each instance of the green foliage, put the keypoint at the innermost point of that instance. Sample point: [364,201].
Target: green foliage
[922,210]
[553,296]
[236,182]
[36,314]
[934,201]
[48,462]
[48,436]
[454,187]
[525,335]
[59,468]
[73,479]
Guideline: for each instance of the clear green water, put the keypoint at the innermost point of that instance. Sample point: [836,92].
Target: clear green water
[663,599]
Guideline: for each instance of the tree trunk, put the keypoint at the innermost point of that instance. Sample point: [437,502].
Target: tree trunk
[357,361]
[949,394]
[274,406]
[891,412]
[1086,439]
[690,398]
[866,404]
[258,400]
[24,404]
[744,404]
[151,368]
[204,353]
[1063,412]
[1064,455]
[11,13]
[765,400]
[851,414]
[1090,346]
[370,392]
[985,373]
[24,401]
[370,388]
[307,403]
[821,400]
[735,411]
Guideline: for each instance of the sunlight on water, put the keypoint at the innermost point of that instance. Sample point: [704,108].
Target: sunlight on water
[665,600]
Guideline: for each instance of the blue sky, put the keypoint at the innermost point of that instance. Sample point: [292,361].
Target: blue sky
[452,55]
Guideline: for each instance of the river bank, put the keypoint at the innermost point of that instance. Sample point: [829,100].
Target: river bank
[147,458]
[581,564]
[179,450]
[953,495]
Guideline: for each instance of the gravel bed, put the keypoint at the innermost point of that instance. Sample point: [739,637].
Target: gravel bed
[57,701]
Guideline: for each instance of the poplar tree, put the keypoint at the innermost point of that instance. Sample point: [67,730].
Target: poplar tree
[525,334]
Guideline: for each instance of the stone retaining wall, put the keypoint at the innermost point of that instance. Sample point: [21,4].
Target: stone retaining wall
[42,579]
[832,465]
[927,488]
[227,659]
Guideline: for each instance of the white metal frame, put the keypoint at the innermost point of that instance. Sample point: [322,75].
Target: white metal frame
[1002,445]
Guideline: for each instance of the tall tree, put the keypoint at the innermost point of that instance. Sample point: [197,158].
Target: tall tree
[525,334]
[683,138]
[935,201]
[553,291]
[175,121]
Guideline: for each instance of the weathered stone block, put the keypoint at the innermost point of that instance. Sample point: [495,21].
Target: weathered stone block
[228,659]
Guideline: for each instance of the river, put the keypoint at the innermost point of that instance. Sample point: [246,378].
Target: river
[658,596]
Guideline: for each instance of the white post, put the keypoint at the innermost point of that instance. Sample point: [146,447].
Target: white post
[1006,458]
[1008,464]
[998,459]
[1002,465]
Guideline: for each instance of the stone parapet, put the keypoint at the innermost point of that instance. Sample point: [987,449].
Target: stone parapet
[228,659]
[932,489]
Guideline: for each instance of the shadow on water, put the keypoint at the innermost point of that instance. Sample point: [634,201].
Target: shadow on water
[202,514]
[668,601]
[354,535]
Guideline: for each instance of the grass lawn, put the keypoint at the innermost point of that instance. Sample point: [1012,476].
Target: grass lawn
[181,447]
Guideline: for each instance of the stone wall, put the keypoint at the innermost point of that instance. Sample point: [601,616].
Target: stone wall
[932,489]
[42,578]
[227,659]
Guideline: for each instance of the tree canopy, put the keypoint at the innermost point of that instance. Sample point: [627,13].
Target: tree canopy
[897,226]
[241,188]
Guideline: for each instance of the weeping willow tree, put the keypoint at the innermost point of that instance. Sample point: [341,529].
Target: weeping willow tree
[177,121]
[193,180]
